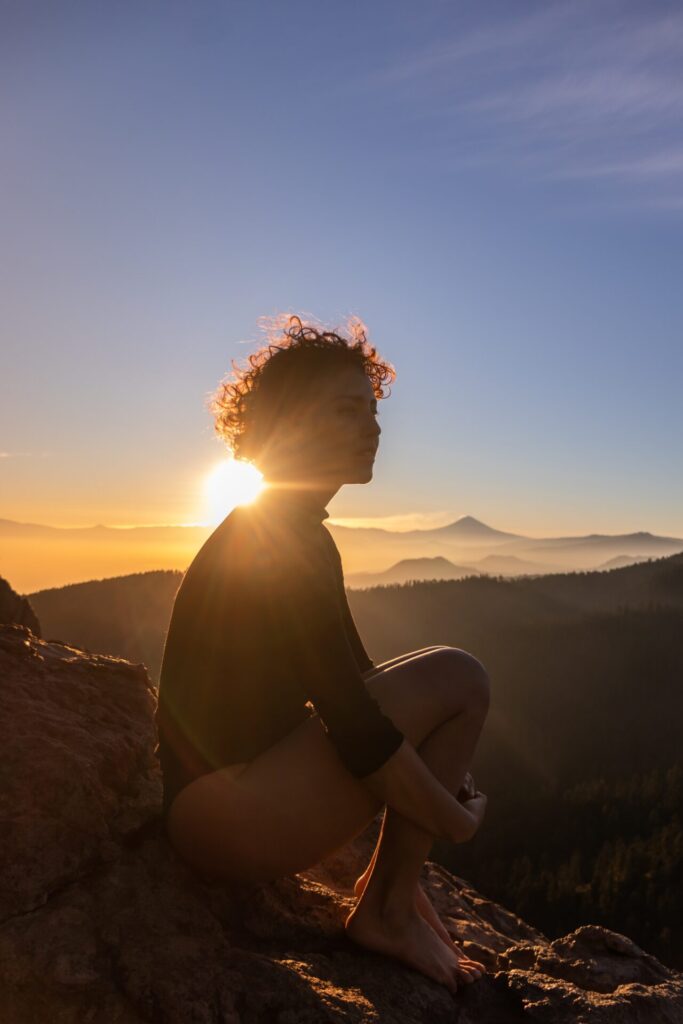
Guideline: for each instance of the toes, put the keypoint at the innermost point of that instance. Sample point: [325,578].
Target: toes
[465,975]
[467,961]
[469,969]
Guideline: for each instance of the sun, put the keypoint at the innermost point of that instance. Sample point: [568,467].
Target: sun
[228,484]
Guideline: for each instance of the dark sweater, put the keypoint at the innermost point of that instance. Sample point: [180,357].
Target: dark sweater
[261,636]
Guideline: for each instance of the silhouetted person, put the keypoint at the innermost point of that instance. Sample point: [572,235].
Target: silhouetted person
[279,739]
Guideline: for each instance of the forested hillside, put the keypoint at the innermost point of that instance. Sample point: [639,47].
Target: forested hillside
[126,615]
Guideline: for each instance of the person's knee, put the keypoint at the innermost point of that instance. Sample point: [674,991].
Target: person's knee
[470,674]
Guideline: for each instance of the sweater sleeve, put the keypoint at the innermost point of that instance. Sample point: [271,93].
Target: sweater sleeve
[361,655]
[329,673]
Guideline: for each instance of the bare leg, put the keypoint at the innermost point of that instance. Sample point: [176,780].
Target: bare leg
[448,751]
[275,816]
[361,882]
[390,885]
[423,904]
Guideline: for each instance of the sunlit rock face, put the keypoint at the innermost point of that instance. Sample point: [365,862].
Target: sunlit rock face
[102,922]
[14,608]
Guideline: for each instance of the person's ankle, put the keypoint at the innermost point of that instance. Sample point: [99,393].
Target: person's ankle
[392,905]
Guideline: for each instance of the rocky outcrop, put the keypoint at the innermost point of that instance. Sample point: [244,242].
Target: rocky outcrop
[100,921]
[14,608]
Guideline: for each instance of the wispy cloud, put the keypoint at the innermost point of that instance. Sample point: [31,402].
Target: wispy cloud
[397,523]
[587,90]
[23,455]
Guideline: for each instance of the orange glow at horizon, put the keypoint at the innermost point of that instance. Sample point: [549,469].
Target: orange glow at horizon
[228,484]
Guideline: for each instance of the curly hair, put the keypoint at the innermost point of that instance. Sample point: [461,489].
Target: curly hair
[284,373]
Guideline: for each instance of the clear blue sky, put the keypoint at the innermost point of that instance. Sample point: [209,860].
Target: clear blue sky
[494,188]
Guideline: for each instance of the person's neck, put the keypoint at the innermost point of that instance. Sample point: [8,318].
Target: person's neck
[307,491]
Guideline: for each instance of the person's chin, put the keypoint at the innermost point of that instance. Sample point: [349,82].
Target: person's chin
[365,472]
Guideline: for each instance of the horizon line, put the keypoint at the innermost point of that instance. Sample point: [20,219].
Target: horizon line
[354,523]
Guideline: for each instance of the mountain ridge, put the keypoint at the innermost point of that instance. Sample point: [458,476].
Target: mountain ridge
[464,524]
[38,557]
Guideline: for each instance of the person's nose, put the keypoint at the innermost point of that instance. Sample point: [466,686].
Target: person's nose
[372,431]
[374,434]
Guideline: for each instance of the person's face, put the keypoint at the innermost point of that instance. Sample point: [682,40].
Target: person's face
[338,435]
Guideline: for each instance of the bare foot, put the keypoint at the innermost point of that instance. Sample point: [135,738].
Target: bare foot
[410,940]
[471,969]
[426,908]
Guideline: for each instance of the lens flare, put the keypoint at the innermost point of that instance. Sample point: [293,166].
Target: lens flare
[228,484]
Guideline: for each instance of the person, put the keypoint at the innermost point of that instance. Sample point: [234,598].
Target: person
[279,738]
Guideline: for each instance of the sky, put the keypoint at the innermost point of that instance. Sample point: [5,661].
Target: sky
[494,188]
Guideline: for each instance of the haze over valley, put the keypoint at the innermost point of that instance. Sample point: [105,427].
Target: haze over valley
[36,557]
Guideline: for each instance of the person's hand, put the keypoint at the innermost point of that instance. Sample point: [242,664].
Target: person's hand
[476,805]
[467,790]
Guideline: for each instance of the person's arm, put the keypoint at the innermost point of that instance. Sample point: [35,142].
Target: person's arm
[369,744]
[328,672]
[405,783]
[362,657]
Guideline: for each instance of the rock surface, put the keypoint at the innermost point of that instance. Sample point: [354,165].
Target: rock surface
[100,921]
[14,608]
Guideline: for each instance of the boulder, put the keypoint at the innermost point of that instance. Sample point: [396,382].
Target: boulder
[101,921]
